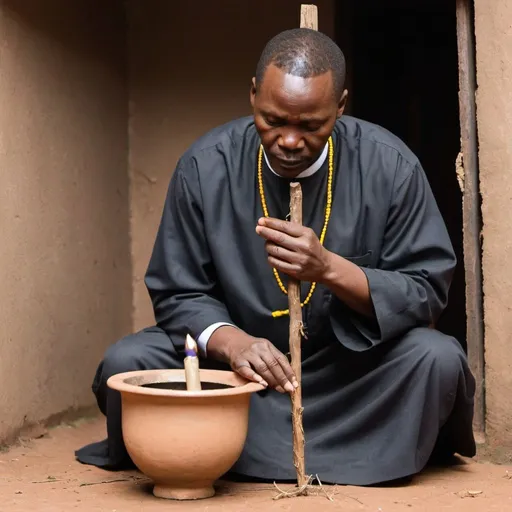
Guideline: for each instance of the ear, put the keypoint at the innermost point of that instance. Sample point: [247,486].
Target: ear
[253,91]
[342,103]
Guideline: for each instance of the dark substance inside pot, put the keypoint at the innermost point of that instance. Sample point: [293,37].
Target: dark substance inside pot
[182,386]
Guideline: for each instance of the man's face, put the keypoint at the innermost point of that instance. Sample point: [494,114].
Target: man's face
[294,117]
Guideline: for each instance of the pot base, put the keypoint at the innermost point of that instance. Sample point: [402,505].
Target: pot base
[187,493]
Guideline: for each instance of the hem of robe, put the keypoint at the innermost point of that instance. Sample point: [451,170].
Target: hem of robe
[358,477]
[96,454]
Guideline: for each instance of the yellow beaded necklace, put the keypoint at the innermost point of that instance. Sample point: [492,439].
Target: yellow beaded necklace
[328,205]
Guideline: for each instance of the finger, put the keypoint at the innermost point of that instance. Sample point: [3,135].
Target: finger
[277,237]
[262,368]
[288,268]
[291,228]
[274,365]
[285,365]
[245,370]
[281,253]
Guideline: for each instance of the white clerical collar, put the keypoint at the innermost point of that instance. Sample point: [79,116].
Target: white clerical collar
[310,170]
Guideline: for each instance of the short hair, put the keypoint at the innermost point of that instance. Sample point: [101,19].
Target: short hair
[305,53]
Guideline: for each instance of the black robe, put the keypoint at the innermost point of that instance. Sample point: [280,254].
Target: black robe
[377,394]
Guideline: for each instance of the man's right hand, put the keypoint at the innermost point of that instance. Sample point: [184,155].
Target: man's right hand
[253,358]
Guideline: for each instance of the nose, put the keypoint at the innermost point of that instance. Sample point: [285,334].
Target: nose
[290,140]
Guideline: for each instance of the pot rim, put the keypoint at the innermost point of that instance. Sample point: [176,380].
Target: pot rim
[118,383]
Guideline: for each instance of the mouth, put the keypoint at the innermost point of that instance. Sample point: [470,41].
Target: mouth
[290,164]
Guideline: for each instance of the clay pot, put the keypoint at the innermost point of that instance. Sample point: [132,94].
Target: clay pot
[184,441]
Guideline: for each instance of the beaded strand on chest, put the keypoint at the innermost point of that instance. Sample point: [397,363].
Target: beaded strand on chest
[328,207]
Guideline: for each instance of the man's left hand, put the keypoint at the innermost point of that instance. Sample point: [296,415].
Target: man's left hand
[294,249]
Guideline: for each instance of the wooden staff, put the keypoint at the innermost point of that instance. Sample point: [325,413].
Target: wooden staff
[308,19]
[309,16]
[295,347]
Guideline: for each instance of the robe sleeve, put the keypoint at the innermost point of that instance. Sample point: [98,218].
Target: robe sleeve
[181,279]
[409,285]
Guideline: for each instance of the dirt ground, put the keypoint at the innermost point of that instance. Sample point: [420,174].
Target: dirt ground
[42,475]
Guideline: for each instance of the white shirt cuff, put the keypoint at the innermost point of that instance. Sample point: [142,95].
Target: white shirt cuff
[204,337]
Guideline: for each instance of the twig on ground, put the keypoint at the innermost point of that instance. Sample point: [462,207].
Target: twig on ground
[468,494]
[107,482]
[303,490]
[355,499]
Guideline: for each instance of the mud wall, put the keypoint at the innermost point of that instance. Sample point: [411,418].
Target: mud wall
[65,272]
[494,100]
[182,83]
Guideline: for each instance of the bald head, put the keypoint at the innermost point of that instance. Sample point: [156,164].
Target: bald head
[304,53]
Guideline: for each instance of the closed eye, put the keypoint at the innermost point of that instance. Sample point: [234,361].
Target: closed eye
[274,121]
[311,127]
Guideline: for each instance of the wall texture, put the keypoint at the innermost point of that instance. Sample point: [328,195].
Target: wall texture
[65,273]
[494,98]
[182,83]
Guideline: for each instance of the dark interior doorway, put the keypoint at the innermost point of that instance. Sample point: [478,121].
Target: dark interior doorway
[403,75]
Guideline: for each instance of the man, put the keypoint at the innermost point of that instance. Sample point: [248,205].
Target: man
[382,390]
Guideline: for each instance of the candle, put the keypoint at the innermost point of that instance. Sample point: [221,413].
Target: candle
[192,365]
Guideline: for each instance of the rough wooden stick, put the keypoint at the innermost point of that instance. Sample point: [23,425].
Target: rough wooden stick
[295,348]
[308,19]
[309,16]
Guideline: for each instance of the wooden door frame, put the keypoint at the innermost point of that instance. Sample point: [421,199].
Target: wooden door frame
[468,172]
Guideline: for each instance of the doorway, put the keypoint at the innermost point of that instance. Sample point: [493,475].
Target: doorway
[403,75]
